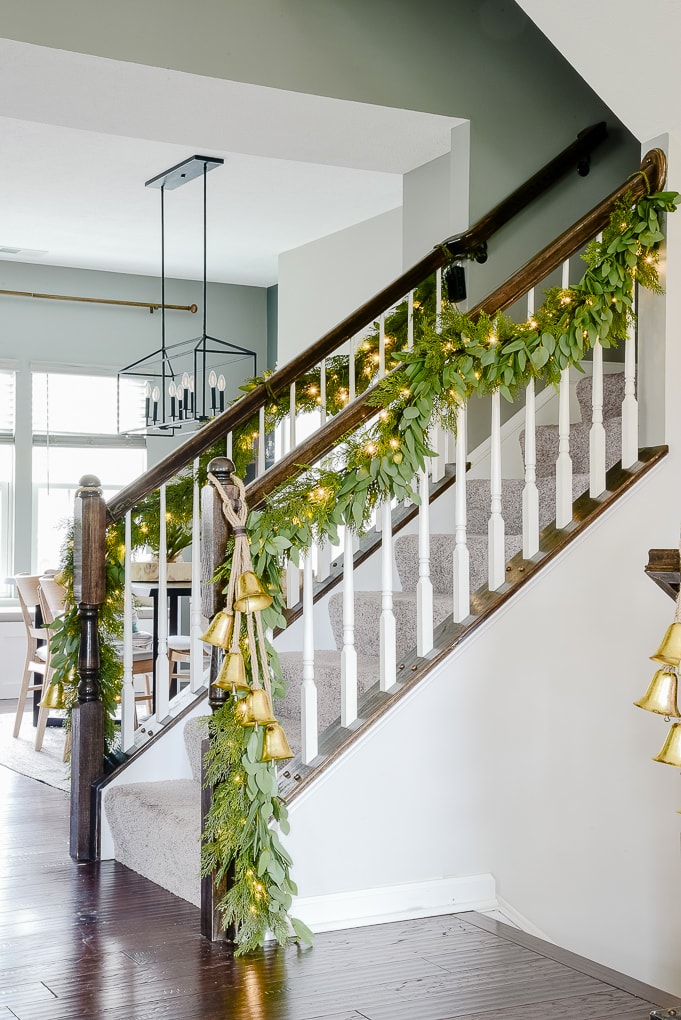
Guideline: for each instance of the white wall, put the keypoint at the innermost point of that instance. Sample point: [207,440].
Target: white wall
[322,282]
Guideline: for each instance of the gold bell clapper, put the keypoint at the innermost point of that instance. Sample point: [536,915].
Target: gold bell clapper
[669,652]
[250,596]
[275,746]
[671,749]
[219,632]
[53,697]
[661,696]
[232,675]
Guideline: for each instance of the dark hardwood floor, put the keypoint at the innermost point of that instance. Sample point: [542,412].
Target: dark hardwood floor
[97,941]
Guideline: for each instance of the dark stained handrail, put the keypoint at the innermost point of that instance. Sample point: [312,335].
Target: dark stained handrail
[652,175]
[467,244]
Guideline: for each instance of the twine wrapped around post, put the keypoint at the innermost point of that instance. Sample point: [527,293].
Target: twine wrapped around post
[242,563]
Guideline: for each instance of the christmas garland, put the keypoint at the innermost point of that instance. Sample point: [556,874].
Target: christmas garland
[452,358]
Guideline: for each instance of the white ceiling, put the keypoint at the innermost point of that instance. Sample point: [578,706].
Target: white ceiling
[79,136]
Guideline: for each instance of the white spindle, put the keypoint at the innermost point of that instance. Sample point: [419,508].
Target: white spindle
[564,462]
[292,585]
[530,492]
[439,436]
[349,653]
[496,572]
[162,672]
[228,446]
[292,417]
[388,627]
[128,688]
[308,694]
[381,345]
[410,319]
[424,588]
[597,431]
[462,601]
[261,441]
[630,403]
[351,370]
[322,392]
[196,681]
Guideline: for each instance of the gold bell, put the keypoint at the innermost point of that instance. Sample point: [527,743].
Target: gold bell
[669,652]
[53,697]
[242,712]
[250,596]
[661,695]
[671,749]
[275,746]
[219,632]
[260,707]
[232,675]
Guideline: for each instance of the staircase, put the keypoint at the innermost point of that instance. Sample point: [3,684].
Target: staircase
[156,826]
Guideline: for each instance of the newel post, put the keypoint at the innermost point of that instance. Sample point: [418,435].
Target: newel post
[87,720]
[214,535]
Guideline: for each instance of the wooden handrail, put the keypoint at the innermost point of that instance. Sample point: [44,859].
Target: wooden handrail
[471,243]
[651,176]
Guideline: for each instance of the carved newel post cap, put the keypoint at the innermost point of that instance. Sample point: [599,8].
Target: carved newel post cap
[90,482]
[221,466]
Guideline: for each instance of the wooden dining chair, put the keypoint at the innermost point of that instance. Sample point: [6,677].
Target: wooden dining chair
[51,597]
[33,677]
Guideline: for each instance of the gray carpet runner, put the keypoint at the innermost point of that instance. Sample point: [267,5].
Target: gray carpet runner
[156,826]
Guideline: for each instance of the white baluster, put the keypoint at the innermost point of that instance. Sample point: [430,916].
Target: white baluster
[349,653]
[424,588]
[292,585]
[324,558]
[308,694]
[564,462]
[496,564]
[322,392]
[261,441]
[228,446]
[162,671]
[597,431]
[462,600]
[439,436]
[128,688]
[388,627]
[530,493]
[410,319]
[381,345]
[630,403]
[292,417]
[352,386]
[196,679]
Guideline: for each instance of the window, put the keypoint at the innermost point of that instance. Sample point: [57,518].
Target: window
[75,433]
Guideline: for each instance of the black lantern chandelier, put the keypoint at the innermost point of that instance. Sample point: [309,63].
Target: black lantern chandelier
[184,382]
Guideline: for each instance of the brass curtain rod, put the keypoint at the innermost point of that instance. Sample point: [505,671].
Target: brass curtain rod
[153,307]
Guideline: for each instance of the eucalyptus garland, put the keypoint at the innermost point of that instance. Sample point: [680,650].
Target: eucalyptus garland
[453,357]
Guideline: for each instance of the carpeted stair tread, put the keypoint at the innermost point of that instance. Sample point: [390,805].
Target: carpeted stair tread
[546,438]
[156,829]
[195,729]
[613,395]
[441,561]
[368,615]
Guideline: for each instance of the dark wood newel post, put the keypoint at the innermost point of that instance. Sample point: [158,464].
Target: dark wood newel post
[87,720]
[215,532]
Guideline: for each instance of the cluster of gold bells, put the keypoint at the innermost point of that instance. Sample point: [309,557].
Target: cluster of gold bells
[246,599]
[662,694]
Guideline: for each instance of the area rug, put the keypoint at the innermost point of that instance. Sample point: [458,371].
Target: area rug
[19,754]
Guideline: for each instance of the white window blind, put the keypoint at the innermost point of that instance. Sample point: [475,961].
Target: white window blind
[78,404]
[7,403]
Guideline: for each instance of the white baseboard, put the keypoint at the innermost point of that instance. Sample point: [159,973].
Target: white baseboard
[396,903]
[505,912]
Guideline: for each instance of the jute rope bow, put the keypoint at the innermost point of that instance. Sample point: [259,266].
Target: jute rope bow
[241,563]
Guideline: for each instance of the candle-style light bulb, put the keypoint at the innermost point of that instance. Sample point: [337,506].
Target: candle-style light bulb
[172,393]
[155,394]
[212,382]
[147,398]
[185,395]
[221,388]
